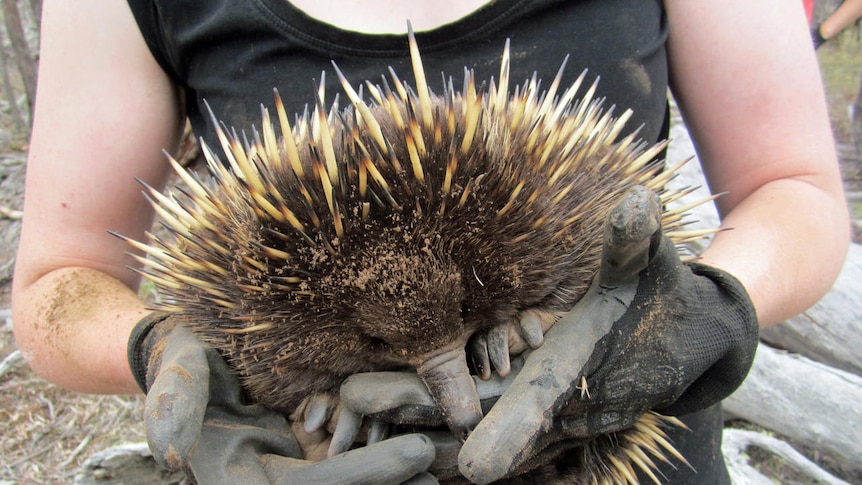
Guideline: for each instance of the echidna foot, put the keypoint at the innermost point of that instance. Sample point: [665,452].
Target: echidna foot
[496,346]
[323,415]
[315,411]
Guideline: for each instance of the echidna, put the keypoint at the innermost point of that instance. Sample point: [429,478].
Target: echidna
[384,235]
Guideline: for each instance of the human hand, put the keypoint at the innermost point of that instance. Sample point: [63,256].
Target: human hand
[196,421]
[652,333]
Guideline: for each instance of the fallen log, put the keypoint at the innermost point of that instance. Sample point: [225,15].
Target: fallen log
[736,443]
[828,332]
[809,402]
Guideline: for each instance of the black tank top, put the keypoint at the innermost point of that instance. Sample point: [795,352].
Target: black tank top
[232,54]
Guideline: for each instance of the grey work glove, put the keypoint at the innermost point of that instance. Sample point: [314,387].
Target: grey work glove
[196,421]
[402,399]
[652,333]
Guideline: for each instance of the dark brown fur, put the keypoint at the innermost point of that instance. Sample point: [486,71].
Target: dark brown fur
[402,283]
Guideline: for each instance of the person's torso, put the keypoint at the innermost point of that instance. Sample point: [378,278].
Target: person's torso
[233,54]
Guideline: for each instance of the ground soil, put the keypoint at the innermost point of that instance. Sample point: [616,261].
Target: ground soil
[47,432]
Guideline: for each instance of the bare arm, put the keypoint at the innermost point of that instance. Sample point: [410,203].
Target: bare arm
[846,14]
[104,112]
[757,113]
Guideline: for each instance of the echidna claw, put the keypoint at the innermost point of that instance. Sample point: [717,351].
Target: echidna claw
[498,348]
[377,431]
[346,431]
[316,411]
[479,356]
[530,329]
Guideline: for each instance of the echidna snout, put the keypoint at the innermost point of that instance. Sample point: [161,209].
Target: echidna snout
[412,305]
[447,377]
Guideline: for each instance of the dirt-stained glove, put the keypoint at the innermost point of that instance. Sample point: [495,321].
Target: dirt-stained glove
[196,421]
[670,337]
[652,333]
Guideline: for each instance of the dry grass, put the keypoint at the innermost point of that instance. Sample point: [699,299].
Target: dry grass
[47,431]
[841,64]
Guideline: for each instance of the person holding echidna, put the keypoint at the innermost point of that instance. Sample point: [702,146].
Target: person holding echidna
[414,226]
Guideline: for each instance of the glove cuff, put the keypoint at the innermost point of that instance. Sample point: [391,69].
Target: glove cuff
[734,290]
[738,327]
[142,341]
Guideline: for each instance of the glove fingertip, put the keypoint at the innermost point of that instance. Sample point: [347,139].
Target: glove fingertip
[415,451]
[173,414]
[422,479]
[376,392]
[391,461]
[171,459]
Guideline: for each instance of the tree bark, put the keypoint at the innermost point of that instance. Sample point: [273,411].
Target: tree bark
[26,63]
[9,90]
[735,444]
[36,8]
[857,119]
[809,402]
[828,332]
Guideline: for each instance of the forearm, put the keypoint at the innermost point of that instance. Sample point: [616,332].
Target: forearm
[758,117]
[845,15]
[786,244]
[105,111]
[73,325]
